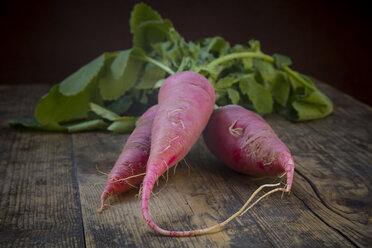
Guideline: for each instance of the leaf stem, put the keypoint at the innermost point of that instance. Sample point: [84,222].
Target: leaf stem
[295,75]
[265,57]
[241,55]
[161,65]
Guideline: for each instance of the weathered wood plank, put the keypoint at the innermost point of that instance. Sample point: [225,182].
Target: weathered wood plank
[284,220]
[330,205]
[39,204]
[203,195]
[206,205]
[186,201]
[333,166]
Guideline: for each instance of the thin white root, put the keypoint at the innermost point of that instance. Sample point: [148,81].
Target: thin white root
[179,122]
[188,166]
[174,139]
[127,178]
[166,148]
[166,164]
[236,132]
[169,144]
[139,192]
[250,140]
[281,197]
[253,138]
[266,194]
[103,173]
[122,179]
[271,161]
[175,168]
[174,110]
[166,180]
[242,209]
[157,183]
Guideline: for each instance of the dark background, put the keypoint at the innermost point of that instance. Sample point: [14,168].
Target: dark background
[45,41]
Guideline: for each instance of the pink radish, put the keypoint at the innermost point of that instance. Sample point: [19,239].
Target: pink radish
[186,100]
[130,167]
[246,142]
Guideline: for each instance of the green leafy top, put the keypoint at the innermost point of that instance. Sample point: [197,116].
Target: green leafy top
[126,82]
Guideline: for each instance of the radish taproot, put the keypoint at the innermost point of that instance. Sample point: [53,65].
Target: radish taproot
[244,141]
[186,101]
[130,167]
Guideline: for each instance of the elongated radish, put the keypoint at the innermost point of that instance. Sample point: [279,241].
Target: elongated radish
[246,142]
[130,167]
[186,100]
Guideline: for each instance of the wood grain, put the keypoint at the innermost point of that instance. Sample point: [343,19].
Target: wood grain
[39,203]
[50,187]
[185,201]
[333,166]
[207,193]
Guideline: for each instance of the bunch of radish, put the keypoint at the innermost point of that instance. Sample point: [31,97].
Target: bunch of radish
[167,131]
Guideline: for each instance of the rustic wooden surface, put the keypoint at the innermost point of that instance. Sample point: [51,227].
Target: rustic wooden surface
[50,188]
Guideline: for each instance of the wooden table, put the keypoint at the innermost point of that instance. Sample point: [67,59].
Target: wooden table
[50,187]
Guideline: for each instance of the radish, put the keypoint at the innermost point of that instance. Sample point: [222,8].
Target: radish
[130,167]
[246,142]
[186,101]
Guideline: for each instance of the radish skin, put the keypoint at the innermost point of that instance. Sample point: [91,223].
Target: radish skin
[130,167]
[186,100]
[244,141]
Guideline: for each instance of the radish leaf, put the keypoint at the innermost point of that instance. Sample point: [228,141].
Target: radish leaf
[281,88]
[314,106]
[87,126]
[121,105]
[55,107]
[77,81]
[124,125]
[103,112]
[147,26]
[121,76]
[259,95]
[151,75]
[233,95]
[126,82]
[33,124]
[281,60]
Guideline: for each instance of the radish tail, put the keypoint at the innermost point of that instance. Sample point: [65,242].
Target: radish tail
[108,191]
[287,163]
[146,195]
[105,194]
